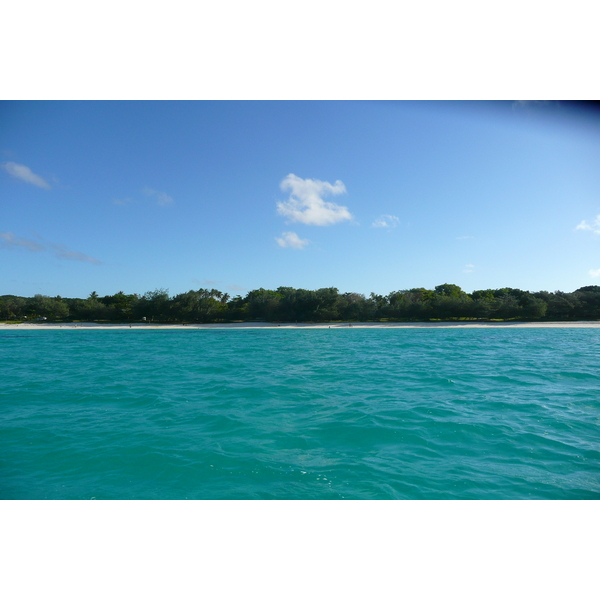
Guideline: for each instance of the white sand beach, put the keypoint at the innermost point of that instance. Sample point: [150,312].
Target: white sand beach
[262,325]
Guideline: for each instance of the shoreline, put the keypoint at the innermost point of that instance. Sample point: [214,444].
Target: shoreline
[337,325]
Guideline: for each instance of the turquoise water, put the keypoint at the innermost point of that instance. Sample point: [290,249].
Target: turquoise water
[300,414]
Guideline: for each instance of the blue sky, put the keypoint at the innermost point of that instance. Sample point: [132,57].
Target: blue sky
[364,196]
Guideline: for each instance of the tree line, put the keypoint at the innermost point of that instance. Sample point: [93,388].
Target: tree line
[287,304]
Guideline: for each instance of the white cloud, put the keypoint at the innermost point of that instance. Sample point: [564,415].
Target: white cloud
[468,268]
[594,226]
[59,250]
[594,272]
[162,199]
[289,239]
[25,174]
[388,221]
[306,204]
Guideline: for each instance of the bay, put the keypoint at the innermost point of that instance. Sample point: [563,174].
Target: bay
[300,414]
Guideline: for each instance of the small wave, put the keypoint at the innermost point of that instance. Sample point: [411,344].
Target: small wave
[303,414]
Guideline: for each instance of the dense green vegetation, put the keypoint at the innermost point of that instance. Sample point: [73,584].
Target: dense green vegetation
[445,302]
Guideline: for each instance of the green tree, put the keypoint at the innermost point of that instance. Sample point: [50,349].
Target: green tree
[450,290]
[237,309]
[561,306]
[588,300]
[352,307]
[452,306]
[153,305]
[506,307]
[263,304]
[483,295]
[533,307]
[47,307]
[12,307]
[201,305]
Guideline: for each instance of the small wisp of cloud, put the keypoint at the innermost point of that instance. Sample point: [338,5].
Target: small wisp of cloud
[11,240]
[25,174]
[306,204]
[594,272]
[122,201]
[468,268]
[289,239]
[204,282]
[386,222]
[594,226]
[59,250]
[162,199]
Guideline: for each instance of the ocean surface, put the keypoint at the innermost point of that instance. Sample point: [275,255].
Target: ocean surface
[300,414]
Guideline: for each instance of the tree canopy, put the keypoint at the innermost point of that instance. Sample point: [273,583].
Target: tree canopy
[444,302]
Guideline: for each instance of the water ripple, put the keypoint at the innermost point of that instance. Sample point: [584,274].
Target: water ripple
[302,414]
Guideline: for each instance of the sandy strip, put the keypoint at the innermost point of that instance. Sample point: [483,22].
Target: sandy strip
[260,325]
